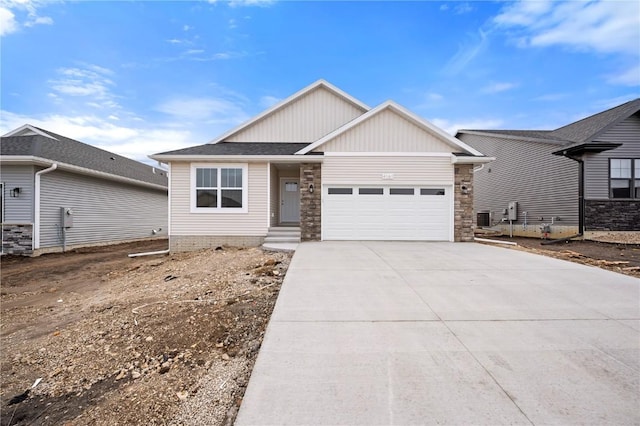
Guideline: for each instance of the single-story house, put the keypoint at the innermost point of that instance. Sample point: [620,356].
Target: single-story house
[582,178]
[324,166]
[58,193]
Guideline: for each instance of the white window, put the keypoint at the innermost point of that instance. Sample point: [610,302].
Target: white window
[219,188]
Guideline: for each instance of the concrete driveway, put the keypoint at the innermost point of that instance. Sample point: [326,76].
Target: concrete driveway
[368,333]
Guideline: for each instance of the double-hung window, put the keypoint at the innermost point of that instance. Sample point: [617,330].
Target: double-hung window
[624,178]
[219,188]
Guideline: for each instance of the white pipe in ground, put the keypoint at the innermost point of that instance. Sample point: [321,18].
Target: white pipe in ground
[484,240]
[149,253]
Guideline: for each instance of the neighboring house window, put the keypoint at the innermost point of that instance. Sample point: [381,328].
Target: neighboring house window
[219,188]
[624,174]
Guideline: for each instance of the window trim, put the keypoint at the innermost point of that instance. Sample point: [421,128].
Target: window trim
[632,179]
[219,166]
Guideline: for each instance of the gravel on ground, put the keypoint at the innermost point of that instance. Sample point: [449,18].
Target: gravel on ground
[133,341]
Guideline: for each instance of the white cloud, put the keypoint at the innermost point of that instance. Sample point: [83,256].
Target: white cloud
[232,24]
[444,7]
[452,127]
[467,52]
[187,28]
[600,26]
[434,97]
[498,87]
[629,77]
[28,15]
[462,8]
[268,101]
[8,23]
[260,3]
[135,142]
[207,110]
[86,80]
[38,20]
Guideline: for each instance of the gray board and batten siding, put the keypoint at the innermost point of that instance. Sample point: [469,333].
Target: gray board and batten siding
[18,209]
[104,211]
[544,185]
[596,166]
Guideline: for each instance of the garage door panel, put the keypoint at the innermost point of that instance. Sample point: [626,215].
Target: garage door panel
[365,214]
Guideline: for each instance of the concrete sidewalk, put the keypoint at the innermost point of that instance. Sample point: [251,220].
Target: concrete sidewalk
[368,333]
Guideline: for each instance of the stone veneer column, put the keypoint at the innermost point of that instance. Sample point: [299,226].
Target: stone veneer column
[310,202]
[463,203]
[17,239]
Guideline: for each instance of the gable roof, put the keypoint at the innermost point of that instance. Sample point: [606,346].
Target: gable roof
[404,113]
[282,104]
[580,132]
[30,143]
[588,129]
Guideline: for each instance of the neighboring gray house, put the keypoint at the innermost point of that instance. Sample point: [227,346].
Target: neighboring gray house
[59,193]
[583,178]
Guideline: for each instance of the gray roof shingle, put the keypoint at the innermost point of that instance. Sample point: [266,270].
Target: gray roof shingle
[240,148]
[579,132]
[589,128]
[70,151]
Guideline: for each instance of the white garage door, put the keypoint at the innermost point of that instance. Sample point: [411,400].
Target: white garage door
[386,213]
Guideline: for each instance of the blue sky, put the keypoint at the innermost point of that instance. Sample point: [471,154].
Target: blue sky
[142,77]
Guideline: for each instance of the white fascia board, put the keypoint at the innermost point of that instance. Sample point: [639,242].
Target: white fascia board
[425,125]
[241,158]
[471,160]
[387,154]
[289,100]
[31,129]
[77,169]
[11,160]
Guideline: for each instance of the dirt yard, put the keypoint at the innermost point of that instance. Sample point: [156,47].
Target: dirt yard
[622,258]
[113,340]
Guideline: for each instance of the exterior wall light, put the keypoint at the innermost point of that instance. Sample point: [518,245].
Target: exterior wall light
[15,192]
[311,188]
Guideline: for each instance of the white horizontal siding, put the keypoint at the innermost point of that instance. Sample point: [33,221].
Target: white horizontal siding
[386,132]
[252,223]
[18,209]
[543,184]
[369,170]
[103,211]
[307,119]
[596,166]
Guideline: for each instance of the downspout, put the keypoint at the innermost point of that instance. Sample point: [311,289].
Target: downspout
[36,210]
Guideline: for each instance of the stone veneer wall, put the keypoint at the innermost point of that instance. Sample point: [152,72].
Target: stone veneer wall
[612,215]
[310,203]
[463,203]
[17,238]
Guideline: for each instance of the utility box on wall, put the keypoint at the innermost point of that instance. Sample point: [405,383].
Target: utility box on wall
[66,217]
[512,210]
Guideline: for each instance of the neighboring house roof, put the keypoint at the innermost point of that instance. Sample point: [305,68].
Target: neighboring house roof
[280,105]
[588,129]
[390,105]
[239,148]
[578,133]
[30,142]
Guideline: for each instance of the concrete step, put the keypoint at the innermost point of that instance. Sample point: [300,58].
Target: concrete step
[287,239]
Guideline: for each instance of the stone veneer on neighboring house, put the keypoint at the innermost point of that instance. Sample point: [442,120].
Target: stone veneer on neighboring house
[463,203]
[310,202]
[17,238]
[612,215]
